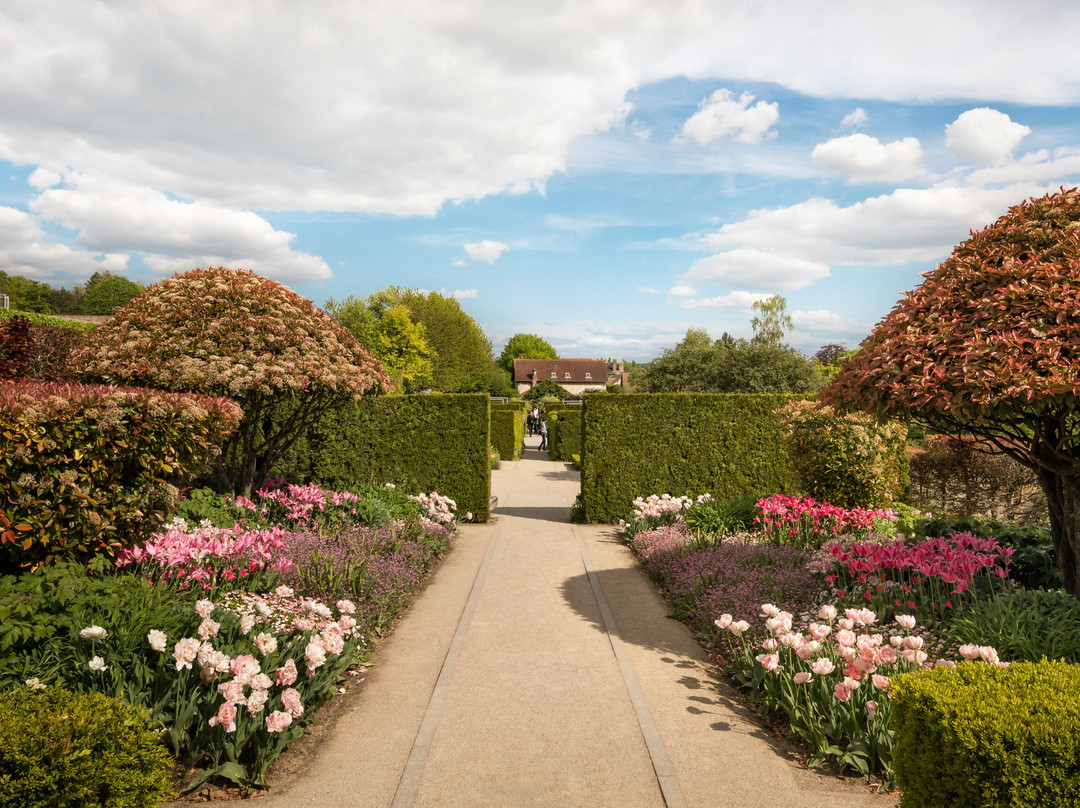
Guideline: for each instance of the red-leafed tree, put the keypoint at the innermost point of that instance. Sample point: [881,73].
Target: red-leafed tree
[989,345]
[232,333]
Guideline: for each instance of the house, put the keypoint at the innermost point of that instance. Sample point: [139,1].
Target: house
[576,376]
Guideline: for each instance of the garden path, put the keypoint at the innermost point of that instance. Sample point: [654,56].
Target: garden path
[539,668]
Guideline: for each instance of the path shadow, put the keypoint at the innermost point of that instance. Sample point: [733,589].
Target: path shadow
[559,514]
[570,474]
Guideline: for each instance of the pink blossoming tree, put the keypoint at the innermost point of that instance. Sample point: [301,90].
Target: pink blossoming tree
[232,333]
[989,346]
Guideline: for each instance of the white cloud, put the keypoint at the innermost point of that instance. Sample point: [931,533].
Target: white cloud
[485,251]
[458,294]
[25,249]
[460,262]
[42,178]
[745,268]
[854,119]
[984,135]
[821,320]
[737,300]
[647,290]
[682,290]
[172,235]
[865,158]
[723,115]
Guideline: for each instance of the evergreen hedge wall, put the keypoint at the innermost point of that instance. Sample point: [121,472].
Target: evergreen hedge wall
[508,428]
[680,443]
[419,442]
[564,430]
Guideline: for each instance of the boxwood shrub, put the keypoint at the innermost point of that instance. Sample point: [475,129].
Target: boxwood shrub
[78,750]
[564,430]
[420,442]
[680,443]
[508,428]
[982,735]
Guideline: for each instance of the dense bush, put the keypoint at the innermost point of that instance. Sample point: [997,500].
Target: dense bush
[420,443]
[564,430]
[720,517]
[960,739]
[45,319]
[88,469]
[846,459]
[66,750]
[30,350]
[963,476]
[725,445]
[543,389]
[230,332]
[508,428]
[1024,625]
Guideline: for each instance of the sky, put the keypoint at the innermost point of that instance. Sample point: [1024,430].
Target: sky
[603,173]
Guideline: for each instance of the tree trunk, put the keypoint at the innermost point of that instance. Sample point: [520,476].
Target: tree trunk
[1063,501]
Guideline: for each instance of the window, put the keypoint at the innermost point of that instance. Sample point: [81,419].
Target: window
[566,375]
[588,375]
[554,375]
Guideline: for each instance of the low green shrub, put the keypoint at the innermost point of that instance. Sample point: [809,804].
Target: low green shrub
[83,750]
[1024,625]
[88,469]
[986,736]
[496,460]
[720,517]
[44,319]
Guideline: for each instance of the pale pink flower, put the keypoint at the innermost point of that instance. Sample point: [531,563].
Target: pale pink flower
[98,664]
[881,682]
[823,666]
[896,640]
[908,655]
[802,677]
[819,631]
[316,608]
[93,633]
[244,667]
[346,623]
[850,683]
[291,699]
[915,643]
[232,691]
[724,621]
[845,623]
[887,655]
[157,639]
[945,663]
[842,693]
[256,700]
[226,716]
[185,651]
[739,627]
[260,681]
[346,606]
[247,623]
[770,644]
[266,643]
[208,628]
[769,662]
[989,654]
[303,624]
[314,655]
[906,621]
[827,612]
[871,710]
[769,610]
[278,721]
[970,651]
[34,683]
[286,674]
[845,637]
[847,652]
[204,608]
[283,591]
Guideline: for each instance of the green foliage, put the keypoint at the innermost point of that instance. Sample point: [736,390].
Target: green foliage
[771,320]
[721,517]
[724,445]
[25,294]
[564,430]
[525,346]
[387,330]
[544,389]
[44,319]
[728,365]
[67,750]
[508,428]
[233,333]
[418,442]
[1034,562]
[111,293]
[1024,625]
[496,460]
[845,459]
[89,469]
[960,740]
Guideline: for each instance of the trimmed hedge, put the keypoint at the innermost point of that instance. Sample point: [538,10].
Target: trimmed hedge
[31,350]
[45,319]
[86,469]
[419,442]
[564,430]
[682,444]
[987,736]
[508,428]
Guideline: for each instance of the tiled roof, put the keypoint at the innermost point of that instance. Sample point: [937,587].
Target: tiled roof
[582,371]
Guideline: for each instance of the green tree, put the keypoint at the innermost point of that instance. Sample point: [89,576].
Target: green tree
[230,332]
[544,389]
[387,329]
[463,356]
[989,346]
[109,294]
[770,321]
[525,346]
[25,294]
[681,369]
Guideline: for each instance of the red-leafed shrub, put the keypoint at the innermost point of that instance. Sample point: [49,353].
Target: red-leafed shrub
[31,350]
[230,332]
[88,469]
[989,345]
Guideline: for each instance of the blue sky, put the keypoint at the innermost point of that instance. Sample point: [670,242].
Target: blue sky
[605,177]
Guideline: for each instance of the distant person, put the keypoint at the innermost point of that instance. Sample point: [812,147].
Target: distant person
[542,429]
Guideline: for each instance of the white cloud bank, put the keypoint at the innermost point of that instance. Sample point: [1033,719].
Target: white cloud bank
[984,135]
[865,159]
[488,251]
[722,115]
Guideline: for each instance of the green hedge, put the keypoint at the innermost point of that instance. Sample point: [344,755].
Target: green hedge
[564,430]
[508,428]
[680,443]
[45,319]
[987,736]
[419,442]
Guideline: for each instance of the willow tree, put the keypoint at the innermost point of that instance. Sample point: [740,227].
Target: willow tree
[232,333]
[989,345]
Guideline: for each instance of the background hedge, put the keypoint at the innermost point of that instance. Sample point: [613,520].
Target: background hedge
[680,443]
[419,442]
[508,428]
[564,430]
